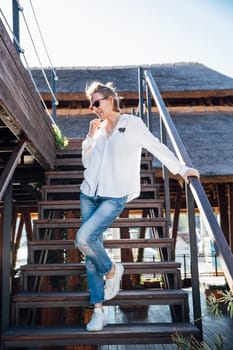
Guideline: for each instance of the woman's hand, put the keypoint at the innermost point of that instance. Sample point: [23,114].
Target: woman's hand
[190,172]
[94,124]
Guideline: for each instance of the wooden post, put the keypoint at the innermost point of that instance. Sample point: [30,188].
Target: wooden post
[223,205]
[194,261]
[6,258]
[230,205]
[178,201]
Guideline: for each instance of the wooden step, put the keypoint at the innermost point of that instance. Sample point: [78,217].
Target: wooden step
[74,143]
[66,152]
[129,298]
[42,245]
[51,176]
[40,227]
[125,297]
[108,243]
[145,333]
[78,151]
[43,225]
[136,204]
[79,268]
[65,269]
[120,222]
[68,162]
[77,161]
[75,188]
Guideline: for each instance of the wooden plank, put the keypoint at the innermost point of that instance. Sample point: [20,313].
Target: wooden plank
[67,269]
[121,222]
[24,113]
[108,243]
[124,297]
[135,204]
[64,188]
[160,333]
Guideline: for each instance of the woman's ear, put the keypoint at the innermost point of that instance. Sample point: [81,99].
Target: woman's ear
[111,99]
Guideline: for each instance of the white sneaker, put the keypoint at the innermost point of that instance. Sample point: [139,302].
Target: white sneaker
[97,321]
[112,285]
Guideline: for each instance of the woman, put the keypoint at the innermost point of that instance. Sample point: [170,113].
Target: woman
[111,155]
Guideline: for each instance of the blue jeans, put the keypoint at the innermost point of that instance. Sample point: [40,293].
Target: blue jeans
[98,213]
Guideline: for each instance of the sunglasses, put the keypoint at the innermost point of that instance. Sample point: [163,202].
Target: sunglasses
[96,104]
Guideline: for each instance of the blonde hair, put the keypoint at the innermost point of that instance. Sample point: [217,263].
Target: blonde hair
[106,90]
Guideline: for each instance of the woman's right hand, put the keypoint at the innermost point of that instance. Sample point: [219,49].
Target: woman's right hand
[94,124]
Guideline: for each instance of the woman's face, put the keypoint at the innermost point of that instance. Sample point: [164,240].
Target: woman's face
[101,105]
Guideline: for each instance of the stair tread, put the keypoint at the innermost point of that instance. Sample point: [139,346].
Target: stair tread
[67,186]
[111,334]
[78,160]
[81,266]
[108,243]
[125,294]
[135,204]
[149,221]
[132,203]
[68,242]
[120,222]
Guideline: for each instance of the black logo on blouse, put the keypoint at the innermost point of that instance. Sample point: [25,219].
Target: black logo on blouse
[121,129]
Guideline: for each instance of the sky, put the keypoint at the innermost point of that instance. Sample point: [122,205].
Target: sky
[82,33]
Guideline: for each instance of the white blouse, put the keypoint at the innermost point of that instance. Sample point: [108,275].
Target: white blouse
[113,164]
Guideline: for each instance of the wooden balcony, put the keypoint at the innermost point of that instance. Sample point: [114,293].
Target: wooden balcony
[21,112]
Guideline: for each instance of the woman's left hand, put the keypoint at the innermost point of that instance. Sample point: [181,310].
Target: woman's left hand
[191,172]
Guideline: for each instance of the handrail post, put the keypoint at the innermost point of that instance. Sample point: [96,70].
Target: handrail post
[163,138]
[54,101]
[141,94]
[149,113]
[16,9]
[194,260]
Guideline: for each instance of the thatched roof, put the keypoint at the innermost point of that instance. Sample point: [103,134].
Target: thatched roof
[206,136]
[169,78]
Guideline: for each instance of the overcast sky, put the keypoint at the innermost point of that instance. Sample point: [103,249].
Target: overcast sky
[128,32]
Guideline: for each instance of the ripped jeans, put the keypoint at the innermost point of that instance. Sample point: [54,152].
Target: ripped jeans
[98,213]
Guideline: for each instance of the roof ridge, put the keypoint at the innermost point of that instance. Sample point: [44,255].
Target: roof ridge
[120,66]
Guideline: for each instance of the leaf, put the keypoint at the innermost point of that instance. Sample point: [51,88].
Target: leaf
[60,140]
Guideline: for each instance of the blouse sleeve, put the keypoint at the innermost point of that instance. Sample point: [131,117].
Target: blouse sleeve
[159,150]
[87,145]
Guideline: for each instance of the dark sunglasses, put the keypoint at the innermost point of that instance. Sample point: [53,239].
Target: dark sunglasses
[96,104]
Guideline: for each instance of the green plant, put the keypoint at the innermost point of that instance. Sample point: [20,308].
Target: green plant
[190,343]
[213,308]
[60,140]
[214,303]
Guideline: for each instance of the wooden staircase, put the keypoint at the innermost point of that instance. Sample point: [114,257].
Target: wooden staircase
[50,308]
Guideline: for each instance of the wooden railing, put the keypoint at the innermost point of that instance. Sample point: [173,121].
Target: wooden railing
[215,232]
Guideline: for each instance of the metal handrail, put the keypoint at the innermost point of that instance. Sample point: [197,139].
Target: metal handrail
[222,248]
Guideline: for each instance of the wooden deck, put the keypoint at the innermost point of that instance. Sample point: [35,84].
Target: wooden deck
[212,326]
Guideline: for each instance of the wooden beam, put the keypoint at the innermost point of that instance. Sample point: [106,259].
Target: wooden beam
[10,167]
[80,95]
